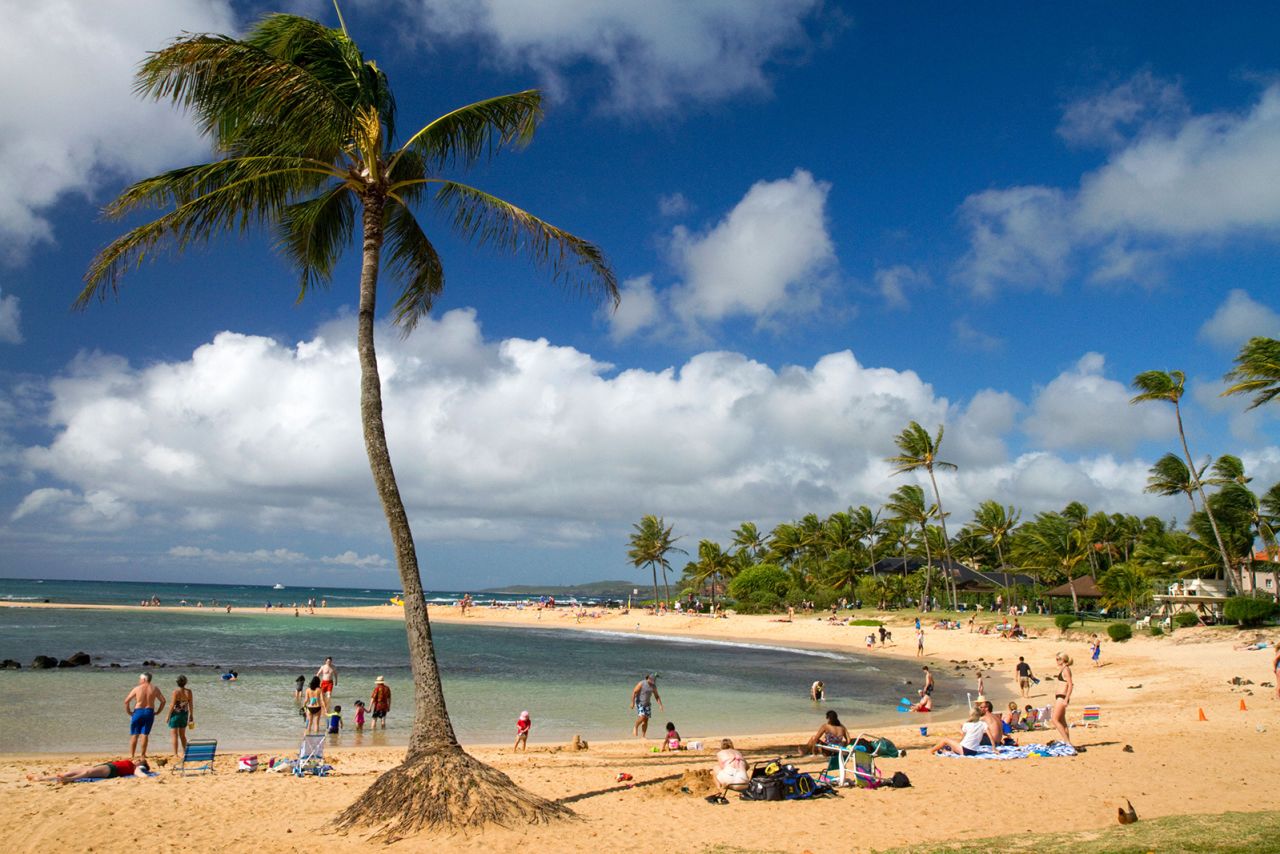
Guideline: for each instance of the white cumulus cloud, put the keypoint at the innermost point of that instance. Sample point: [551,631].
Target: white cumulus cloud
[68,114]
[1082,408]
[10,320]
[652,55]
[1239,318]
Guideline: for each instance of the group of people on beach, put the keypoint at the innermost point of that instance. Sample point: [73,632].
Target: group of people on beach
[314,701]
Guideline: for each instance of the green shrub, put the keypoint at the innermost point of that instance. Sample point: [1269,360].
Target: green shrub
[1156,631]
[1185,620]
[762,578]
[1119,632]
[1248,610]
[1063,621]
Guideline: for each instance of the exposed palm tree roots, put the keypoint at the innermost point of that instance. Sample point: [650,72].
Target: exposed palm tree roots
[445,791]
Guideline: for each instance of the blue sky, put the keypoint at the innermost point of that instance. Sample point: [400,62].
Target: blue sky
[829,219]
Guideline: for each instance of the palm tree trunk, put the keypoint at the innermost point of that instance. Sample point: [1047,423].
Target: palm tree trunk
[946,542]
[438,783]
[666,588]
[653,567]
[928,565]
[1232,581]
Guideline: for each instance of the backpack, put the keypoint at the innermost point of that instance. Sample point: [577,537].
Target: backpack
[899,780]
[774,781]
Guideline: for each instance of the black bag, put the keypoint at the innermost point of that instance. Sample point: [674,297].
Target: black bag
[764,789]
[899,780]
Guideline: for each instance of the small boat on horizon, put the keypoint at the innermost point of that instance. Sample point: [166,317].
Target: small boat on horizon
[277,587]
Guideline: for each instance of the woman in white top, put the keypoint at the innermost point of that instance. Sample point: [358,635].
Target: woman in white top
[971,730]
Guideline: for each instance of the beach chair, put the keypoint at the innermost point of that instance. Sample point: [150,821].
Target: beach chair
[1042,717]
[1091,716]
[311,757]
[197,757]
[861,754]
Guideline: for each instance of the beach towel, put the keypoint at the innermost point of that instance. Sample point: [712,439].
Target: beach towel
[121,777]
[1021,752]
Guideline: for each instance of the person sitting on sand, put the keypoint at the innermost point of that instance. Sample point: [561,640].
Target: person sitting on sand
[731,769]
[103,771]
[925,704]
[671,741]
[832,732]
[994,735]
[1012,718]
[971,733]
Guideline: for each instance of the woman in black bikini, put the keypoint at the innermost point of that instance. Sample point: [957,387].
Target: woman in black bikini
[315,706]
[1062,698]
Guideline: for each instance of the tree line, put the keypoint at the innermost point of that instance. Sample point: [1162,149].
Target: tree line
[821,560]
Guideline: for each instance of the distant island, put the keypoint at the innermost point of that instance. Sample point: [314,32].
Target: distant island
[592,589]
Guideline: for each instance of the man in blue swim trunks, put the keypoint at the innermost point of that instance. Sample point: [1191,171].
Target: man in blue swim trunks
[642,697]
[142,705]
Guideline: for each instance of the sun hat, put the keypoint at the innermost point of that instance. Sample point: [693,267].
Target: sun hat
[379,679]
[524,716]
[982,698]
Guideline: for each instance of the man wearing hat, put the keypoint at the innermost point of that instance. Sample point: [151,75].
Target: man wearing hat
[379,703]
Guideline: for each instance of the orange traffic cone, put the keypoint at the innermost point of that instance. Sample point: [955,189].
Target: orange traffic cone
[1202,717]
[1243,707]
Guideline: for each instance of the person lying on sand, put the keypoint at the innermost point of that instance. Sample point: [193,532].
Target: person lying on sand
[103,771]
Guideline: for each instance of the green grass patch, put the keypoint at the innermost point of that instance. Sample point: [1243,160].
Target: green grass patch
[1227,833]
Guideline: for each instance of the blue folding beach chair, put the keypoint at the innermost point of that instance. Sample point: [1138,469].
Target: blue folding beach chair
[311,757]
[198,757]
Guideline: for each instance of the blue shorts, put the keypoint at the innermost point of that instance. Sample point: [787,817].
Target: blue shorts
[644,710]
[140,723]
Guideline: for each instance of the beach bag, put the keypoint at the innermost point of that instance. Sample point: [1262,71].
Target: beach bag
[247,763]
[879,746]
[764,789]
[799,786]
[899,780]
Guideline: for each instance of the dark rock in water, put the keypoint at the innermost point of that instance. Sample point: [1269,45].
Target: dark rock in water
[10,664]
[149,663]
[44,662]
[114,664]
[64,663]
[80,658]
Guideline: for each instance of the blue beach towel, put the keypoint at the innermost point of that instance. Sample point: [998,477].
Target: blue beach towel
[121,777]
[1021,752]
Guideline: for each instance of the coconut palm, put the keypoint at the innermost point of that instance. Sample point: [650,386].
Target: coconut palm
[1125,585]
[1170,476]
[908,507]
[919,450]
[651,542]
[1257,371]
[748,539]
[710,567]
[1168,386]
[305,130]
[867,527]
[1052,546]
[996,522]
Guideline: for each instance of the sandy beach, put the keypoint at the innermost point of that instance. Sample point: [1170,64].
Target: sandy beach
[1150,747]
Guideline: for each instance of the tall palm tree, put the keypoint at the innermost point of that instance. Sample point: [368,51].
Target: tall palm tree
[1052,546]
[1168,386]
[919,450]
[651,542]
[908,507]
[710,567]
[996,522]
[1170,476]
[867,527]
[1257,371]
[305,130]
[747,538]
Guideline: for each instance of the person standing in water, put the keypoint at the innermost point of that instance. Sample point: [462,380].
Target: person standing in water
[642,697]
[328,678]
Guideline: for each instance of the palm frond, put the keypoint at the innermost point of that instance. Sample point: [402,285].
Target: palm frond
[1158,385]
[467,134]
[1257,371]
[489,221]
[257,197]
[413,260]
[236,89]
[313,233]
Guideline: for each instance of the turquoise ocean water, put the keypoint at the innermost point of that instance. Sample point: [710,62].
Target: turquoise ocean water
[572,682]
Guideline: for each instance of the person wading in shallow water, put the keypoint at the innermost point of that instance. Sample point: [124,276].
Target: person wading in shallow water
[642,697]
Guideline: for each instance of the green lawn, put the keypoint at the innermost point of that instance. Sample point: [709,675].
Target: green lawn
[1228,833]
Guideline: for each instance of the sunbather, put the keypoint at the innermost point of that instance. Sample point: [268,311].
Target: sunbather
[103,771]
[832,732]
[731,769]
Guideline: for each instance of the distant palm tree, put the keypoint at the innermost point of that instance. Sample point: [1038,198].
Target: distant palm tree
[919,450]
[996,522]
[1052,545]
[747,538]
[305,129]
[1257,371]
[710,567]
[651,542]
[867,527]
[908,507]
[1170,476]
[1168,386]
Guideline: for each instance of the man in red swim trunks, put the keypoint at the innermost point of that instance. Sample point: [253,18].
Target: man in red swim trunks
[328,677]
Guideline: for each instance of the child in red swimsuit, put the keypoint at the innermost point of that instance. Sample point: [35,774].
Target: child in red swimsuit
[523,725]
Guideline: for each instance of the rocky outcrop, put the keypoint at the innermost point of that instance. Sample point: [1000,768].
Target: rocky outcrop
[10,664]
[79,659]
[44,662]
